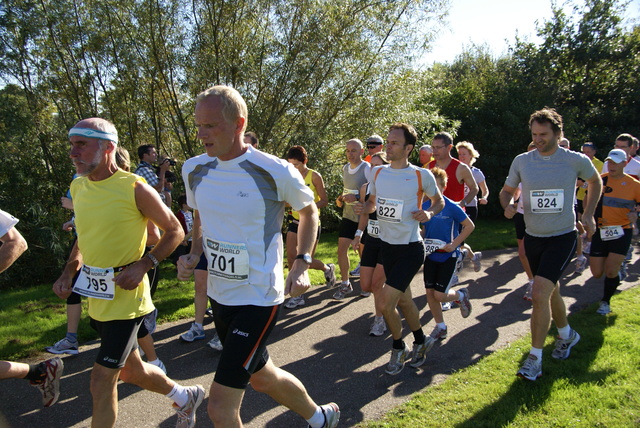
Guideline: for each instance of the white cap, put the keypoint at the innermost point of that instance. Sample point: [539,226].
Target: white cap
[617,155]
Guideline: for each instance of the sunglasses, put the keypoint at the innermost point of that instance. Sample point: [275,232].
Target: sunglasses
[373,146]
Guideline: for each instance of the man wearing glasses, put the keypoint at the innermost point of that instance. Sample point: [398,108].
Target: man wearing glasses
[374,145]
[625,142]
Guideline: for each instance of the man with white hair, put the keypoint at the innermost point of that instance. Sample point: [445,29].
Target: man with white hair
[112,208]
[425,155]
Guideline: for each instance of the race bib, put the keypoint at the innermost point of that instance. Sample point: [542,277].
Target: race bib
[228,260]
[390,210]
[433,245]
[373,228]
[609,233]
[547,201]
[96,282]
[356,193]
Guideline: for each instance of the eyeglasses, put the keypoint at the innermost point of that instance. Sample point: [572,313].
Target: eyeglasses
[437,147]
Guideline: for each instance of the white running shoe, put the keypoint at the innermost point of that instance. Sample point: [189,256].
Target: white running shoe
[215,343]
[378,327]
[604,309]
[187,413]
[294,302]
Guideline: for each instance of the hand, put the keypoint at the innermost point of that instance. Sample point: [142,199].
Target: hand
[510,211]
[589,224]
[421,215]
[449,247]
[483,201]
[355,244]
[358,208]
[349,198]
[68,226]
[164,166]
[131,276]
[186,265]
[63,287]
[66,203]
[297,282]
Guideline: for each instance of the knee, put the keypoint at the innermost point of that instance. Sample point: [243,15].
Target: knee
[102,381]
[220,414]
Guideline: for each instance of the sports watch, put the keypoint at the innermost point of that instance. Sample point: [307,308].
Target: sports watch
[305,258]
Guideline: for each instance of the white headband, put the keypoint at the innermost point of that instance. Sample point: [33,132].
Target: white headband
[93,133]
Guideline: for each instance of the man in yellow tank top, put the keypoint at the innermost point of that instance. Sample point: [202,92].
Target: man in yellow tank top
[112,208]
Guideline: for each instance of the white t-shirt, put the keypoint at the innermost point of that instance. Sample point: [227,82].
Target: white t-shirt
[7,221]
[396,192]
[241,207]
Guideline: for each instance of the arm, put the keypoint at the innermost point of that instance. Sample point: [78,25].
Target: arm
[62,287]
[464,175]
[298,279]
[485,193]
[594,190]
[153,234]
[187,263]
[506,200]
[13,245]
[363,219]
[151,206]
[467,228]
[322,192]
[437,204]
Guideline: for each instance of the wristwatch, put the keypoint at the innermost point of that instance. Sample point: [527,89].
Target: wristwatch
[305,258]
[153,260]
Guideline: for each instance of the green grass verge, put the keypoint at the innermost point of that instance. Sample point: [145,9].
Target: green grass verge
[598,386]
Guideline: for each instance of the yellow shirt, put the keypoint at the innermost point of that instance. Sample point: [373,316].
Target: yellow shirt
[308,180]
[583,191]
[112,232]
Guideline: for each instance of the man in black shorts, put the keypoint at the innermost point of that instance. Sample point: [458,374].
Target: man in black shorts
[548,176]
[244,253]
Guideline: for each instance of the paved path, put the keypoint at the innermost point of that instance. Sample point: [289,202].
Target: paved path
[326,345]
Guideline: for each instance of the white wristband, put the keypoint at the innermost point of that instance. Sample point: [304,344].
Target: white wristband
[358,233]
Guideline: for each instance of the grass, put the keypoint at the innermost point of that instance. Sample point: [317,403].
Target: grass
[33,317]
[599,386]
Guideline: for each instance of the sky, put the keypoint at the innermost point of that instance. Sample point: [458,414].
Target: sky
[494,22]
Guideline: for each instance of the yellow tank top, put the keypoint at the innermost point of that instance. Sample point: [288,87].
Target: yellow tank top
[112,232]
[308,180]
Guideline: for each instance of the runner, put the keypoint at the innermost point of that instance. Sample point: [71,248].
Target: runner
[548,176]
[396,194]
[45,375]
[443,236]
[371,270]
[240,194]
[615,215]
[112,210]
[297,156]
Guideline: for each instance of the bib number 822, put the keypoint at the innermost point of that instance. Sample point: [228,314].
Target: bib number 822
[386,212]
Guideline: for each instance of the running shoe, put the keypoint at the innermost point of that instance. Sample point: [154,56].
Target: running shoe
[365,293]
[343,291]
[586,248]
[50,386]
[330,277]
[419,353]
[531,369]
[446,306]
[563,346]
[464,303]
[194,333]
[604,309]
[356,271]
[629,254]
[158,363]
[476,260]
[209,312]
[398,358]
[294,302]
[187,413]
[438,333]
[215,343]
[378,327]
[581,264]
[63,346]
[622,273]
[150,321]
[331,413]
[528,293]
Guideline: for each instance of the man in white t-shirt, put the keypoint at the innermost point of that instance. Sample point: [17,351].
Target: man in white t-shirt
[625,142]
[241,235]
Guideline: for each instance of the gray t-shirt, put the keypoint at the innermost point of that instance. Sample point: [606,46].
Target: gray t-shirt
[353,181]
[548,188]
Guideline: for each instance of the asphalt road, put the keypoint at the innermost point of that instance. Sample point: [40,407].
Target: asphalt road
[326,345]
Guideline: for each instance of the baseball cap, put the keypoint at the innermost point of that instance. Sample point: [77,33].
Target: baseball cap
[375,139]
[617,156]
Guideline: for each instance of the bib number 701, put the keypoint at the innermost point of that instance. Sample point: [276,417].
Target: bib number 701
[220,262]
